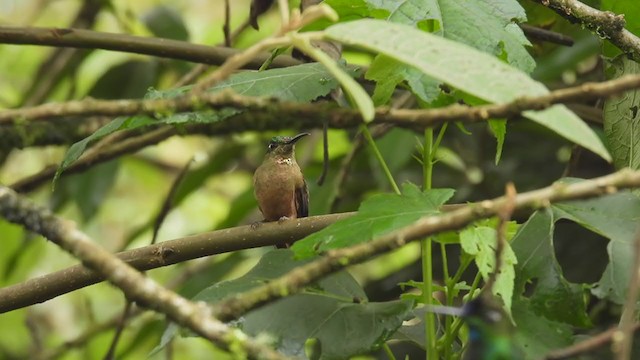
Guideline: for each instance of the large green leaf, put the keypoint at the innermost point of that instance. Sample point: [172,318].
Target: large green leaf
[458,65]
[485,25]
[376,216]
[536,335]
[301,83]
[622,118]
[554,296]
[480,242]
[615,217]
[334,312]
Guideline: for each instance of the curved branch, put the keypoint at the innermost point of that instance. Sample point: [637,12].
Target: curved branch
[166,48]
[335,260]
[133,284]
[603,23]
[166,253]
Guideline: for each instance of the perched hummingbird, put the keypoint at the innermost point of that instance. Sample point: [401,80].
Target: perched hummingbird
[279,185]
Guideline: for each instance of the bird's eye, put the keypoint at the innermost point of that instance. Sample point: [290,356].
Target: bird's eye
[272,146]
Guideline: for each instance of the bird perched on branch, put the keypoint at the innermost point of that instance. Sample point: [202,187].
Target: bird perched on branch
[279,185]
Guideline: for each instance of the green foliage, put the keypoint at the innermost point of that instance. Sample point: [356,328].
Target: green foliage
[622,117]
[376,216]
[537,335]
[300,83]
[554,297]
[485,77]
[616,218]
[335,306]
[480,242]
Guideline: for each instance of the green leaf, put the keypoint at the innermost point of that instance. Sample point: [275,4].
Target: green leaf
[465,68]
[355,92]
[165,22]
[485,25]
[615,217]
[325,312]
[301,83]
[622,118]
[376,216]
[499,130]
[88,189]
[480,242]
[388,73]
[554,296]
[536,335]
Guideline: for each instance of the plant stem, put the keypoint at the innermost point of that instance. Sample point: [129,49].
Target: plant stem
[388,351]
[427,255]
[376,152]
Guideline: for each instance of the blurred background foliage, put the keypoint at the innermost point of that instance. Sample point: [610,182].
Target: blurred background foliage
[116,202]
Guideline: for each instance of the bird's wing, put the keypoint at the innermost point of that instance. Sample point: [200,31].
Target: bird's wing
[302,200]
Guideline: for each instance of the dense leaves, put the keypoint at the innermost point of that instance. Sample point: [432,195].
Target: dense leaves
[377,216]
[335,312]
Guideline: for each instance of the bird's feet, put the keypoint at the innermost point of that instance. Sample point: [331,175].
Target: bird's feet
[255,225]
[283,219]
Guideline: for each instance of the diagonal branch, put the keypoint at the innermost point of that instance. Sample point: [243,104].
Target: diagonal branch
[195,316]
[166,48]
[335,260]
[603,23]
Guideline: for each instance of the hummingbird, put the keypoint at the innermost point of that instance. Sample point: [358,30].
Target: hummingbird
[279,185]
[489,331]
[489,326]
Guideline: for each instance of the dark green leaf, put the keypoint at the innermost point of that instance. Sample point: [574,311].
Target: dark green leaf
[88,189]
[165,22]
[535,335]
[499,130]
[335,312]
[377,216]
[554,296]
[622,117]
[615,217]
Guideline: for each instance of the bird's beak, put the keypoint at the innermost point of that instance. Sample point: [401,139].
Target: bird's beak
[297,137]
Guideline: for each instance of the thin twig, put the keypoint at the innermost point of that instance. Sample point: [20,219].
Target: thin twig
[585,346]
[536,33]
[504,216]
[166,48]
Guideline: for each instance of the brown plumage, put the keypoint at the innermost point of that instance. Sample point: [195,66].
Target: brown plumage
[279,185]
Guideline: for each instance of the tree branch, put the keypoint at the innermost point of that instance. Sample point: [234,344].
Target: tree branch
[166,48]
[195,316]
[166,253]
[336,260]
[337,117]
[603,23]
[289,115]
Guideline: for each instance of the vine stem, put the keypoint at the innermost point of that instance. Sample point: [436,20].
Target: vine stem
[378,155]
